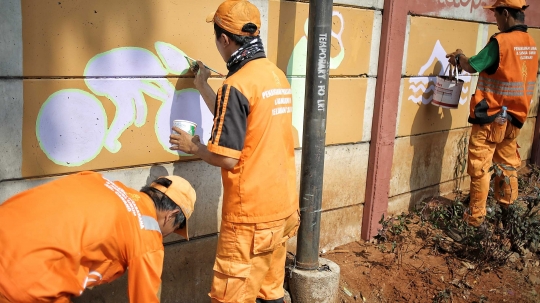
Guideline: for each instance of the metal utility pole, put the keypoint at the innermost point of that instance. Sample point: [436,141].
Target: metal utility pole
[313,144]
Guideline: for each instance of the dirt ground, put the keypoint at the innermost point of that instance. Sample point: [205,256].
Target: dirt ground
[421,273]
[416,270]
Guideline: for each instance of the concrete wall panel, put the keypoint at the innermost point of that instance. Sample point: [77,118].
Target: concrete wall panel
[74,124]
[344,176]
[411,200]
[426,160]
[376,4]
[525,139]
[428,48]
[418,116]
[11,39]
[346,105]
[534,32]
[425,60]
[533,111]
[347,108]
[60,38]
[340,226]
[11,128]
[351,38]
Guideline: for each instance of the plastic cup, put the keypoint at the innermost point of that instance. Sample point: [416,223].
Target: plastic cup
[187,126]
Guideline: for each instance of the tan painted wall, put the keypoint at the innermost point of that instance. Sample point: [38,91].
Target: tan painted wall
[426,59]
[91,108]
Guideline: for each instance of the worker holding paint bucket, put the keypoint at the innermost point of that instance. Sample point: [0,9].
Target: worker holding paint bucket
[252,141]
[508,66]
[84,230]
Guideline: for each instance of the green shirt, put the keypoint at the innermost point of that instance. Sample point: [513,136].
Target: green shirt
[487,59]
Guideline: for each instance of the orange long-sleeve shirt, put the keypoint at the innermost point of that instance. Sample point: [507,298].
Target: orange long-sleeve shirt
[77,232]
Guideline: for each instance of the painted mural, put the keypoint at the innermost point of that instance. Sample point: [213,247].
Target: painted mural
[104,81]
[423,87]
[426,59]
[71,127]
[297,67]
[350,55]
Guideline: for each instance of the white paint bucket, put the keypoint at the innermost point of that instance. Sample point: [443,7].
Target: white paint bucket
[187,126]
[448,89]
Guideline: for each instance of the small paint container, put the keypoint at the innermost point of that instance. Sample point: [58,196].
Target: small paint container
[187,126]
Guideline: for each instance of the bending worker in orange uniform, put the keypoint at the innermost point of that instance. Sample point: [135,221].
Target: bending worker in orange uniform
[508,67]
[252,141]
[83,230]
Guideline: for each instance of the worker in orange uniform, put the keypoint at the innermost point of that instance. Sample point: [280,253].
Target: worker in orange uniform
[83,230]
[252,141]
[508,67]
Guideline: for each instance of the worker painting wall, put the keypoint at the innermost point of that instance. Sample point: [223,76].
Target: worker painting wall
[94,85]
[431,142]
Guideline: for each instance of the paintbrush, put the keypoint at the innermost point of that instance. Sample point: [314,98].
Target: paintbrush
[195,66]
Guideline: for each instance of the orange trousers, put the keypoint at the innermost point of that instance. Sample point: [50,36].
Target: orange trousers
[491,143]
[250,260]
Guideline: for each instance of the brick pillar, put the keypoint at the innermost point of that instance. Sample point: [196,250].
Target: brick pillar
[385,114]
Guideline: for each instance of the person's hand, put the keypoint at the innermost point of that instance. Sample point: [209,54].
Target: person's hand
[183,141]
[201,75]
[452,56]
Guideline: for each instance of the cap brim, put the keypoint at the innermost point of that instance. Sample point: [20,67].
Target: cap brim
[210,17]
[183,232]
[494,7]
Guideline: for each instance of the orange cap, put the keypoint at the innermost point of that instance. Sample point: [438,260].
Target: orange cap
[516,4]
[232,15]
[181,193]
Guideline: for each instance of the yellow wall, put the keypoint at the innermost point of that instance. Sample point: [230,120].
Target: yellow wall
[426,59]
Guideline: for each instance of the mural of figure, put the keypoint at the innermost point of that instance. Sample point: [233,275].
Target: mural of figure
[296,71]
[172,57]
[127,94]
[116,74]
[71,127]
[186,104]
[423,87]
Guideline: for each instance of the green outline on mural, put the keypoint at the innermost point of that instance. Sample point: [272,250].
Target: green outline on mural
[162,58]
[39,118]
[166,148]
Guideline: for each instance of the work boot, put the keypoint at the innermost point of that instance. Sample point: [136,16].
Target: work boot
[481,232]
[454,234]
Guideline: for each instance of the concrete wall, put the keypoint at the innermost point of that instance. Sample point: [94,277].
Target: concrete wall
[93,85]
[430,144]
